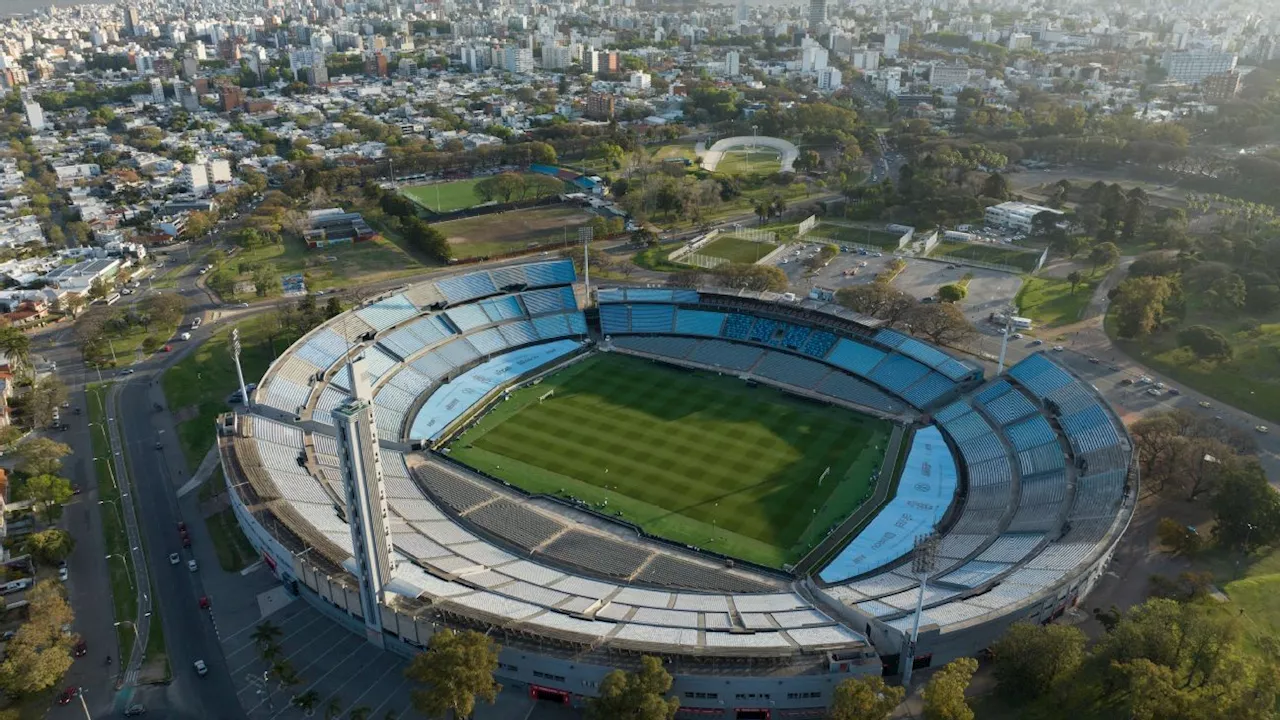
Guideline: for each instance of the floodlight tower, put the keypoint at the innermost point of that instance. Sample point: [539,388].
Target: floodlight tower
[235,354]
[1004,339]
[366,498]
[924,560]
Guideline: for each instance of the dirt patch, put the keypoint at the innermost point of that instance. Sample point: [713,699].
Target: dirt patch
[189,412]
[507,231]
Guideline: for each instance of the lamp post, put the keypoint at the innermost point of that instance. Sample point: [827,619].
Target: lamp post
[924,560]
[128,571]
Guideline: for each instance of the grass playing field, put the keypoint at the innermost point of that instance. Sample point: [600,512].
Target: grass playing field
[759,161]
[737,250]
[695,457]
[998,254]
[498,233]
[446,197]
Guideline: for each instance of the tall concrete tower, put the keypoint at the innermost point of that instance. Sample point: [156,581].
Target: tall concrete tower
[366,498]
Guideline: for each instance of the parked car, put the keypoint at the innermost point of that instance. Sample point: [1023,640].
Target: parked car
[67,695]
[191,565]
[201,668]
[135,710]
[81,649]
[174,559]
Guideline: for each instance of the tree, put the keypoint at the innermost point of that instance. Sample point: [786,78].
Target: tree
[265,633]
[1228,294]
[165,309]
[942,323]
[456,669]
[306,702]
[635,696]
[1140,304]
[41,456]
[747,276]
[1177,537]
[1246,508]
[97,289]
[1205,342]
[1075,277]
[1033,659]
[879,300]
[16,346]
[996,186]
[198,224]
[332,709]
[952,293]
[49,546]
[944,694]
[48,493]
[43,399]
[361,712]
[332,307]
[1104,254]
[40,653]
[864,698]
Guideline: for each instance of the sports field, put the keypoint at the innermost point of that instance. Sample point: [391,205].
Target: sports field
[992,253]
[759,161]
[737,250]
[504,232]
[447,197]
[698,458]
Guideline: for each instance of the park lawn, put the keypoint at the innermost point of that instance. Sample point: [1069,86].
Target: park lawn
[673,151]
[869,236]
[761,161]
[381,258]
[737,250]
[124,600]
[1049,301]
[655,258]
[197,387]
[233,549]
[695,457]
[989,253]
[127,347]
[1250,380]
[515,230]
[450,196]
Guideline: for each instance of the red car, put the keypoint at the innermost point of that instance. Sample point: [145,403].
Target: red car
[186,540]
[81,649]
[204,602]
[67,695]
[182,527]
[166,348]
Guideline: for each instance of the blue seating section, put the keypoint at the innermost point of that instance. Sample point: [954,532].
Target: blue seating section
[1040,375]
[1029,433]
[897,372]
[763,330]
[792,370]
[387,312]
[324,348]
[855,357]
[458,352]
[819,343]
[952,411]
[502,309]
[517,333]
[577,323]
[731,356]
[552,326]
[610,295]
[851,389]
[912,348]
[982,448]
[615,319]
[699,322]
[927,390]
[538,302]
[995,390]
[1045,458]
[462,288]
[556,272]
[1010,407]
[955,369]
[652,318]
[467,317]
[795,337]
[488,341]
[1085,420]
[966,427]
[508,276]
[1071,399]
[739,326]
[992,472]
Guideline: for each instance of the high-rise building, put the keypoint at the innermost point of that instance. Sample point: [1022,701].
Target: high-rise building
[131,20]
[813,58]
[731,60]
[196,178]
[219,171]
[361,463]
[640,81]
[319,70]
[556,57]
[1192,67]
[232,97]
[892,43]
[743,13]
[1222,86]
[817,14]
[157,91]
[600,107]
[517,60]
[829,79]
[35,115]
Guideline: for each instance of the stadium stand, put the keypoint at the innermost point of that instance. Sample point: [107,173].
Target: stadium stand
[897,372]
[1009,407]
[601,554]
[699,322]
[819,343]
[928,390]
[518,333]
[1039,375]
[652,318]
[721,354]
[855,357]
[462,288]
[387,312]
[501,309]
[551,300]
[615,319]
[858,392]
[673,347]
[467,317]
[791,370]
[511,276]
[738,326]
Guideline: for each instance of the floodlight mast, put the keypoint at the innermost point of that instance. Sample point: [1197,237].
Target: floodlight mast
[235,354]
[924,560]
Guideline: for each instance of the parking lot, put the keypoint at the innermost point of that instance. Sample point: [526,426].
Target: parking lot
[989,290]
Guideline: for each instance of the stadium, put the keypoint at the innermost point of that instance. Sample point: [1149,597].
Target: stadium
[731,481]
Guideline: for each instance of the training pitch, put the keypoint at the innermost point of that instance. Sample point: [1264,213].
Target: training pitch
[695,457]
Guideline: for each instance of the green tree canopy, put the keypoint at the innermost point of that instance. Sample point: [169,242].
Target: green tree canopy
[864,698]
[49,546]
[1032,659]
[456,669]
[635,696]
[1205,342]
[944,694]
[952,293]
[41,456]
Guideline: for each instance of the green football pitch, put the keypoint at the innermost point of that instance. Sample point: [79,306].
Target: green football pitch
[695,457]
[447,197]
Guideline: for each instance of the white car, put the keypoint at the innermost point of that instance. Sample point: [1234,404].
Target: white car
[1016,336]
[1144,380]
[174,559]
[62,574]
[1262,429]
[191,565]
[185,336]
[1058,348]
[1205,404]
[201,668]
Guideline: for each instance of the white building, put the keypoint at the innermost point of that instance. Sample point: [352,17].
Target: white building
[517,60]
[196,178]
[865,59]
[219,171]
[1019,41]
[731,60]
[892,43]
[555,57]
[813,59]
[829,79]
[1015,215]
[157,91]
[1192,67]
[35,115]
[640,81]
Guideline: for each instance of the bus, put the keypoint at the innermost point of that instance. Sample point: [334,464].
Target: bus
[112,298]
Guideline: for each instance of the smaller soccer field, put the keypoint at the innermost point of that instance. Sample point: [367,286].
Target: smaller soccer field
[446,197]
[758,161]
[695,457]
[737,250]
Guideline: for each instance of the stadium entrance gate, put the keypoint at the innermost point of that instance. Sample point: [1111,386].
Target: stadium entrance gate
[559,697]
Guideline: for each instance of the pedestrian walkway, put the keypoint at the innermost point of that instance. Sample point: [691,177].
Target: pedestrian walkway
[202,473]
